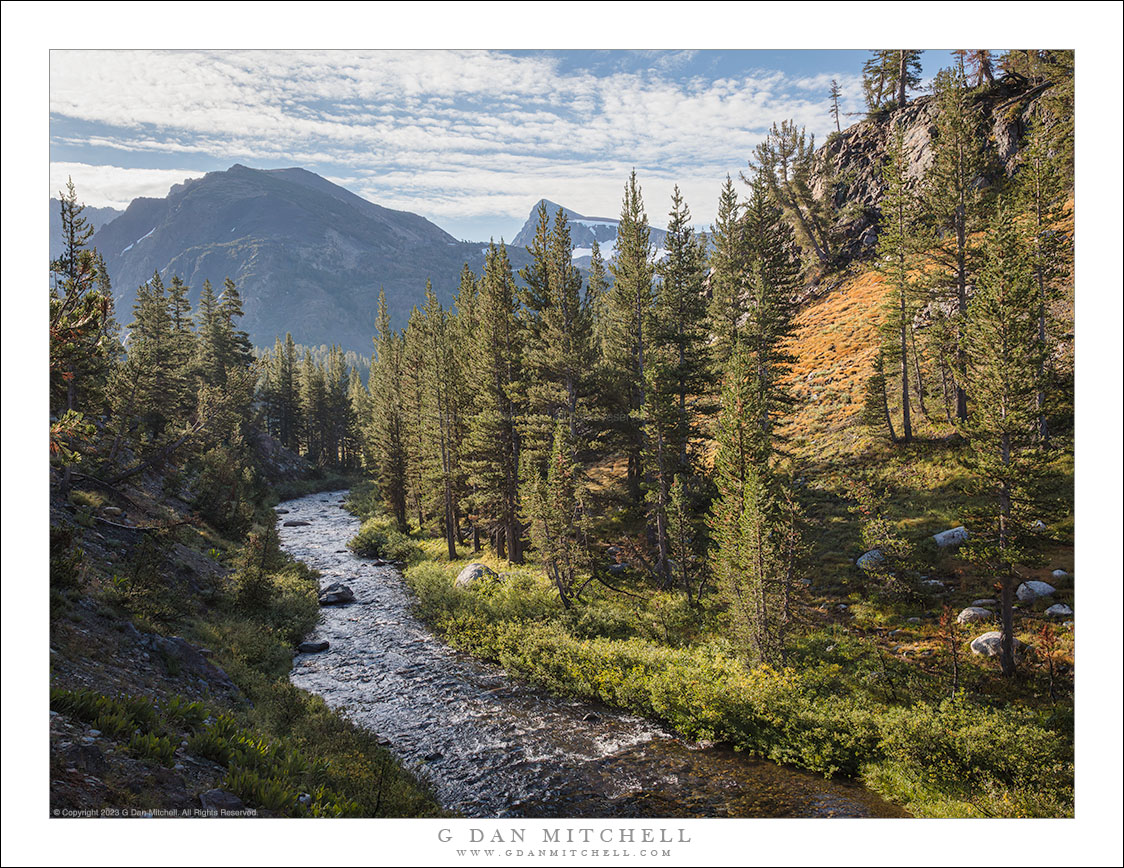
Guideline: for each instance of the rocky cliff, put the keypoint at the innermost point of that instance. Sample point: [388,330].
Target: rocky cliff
[848,166]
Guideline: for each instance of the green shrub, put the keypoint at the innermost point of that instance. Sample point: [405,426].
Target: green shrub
[968,750]
[378,538]
[155,748]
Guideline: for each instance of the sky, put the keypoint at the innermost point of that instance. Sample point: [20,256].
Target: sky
[470,139]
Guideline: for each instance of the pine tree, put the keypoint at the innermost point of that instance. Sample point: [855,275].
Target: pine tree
[209,337]
[279,392]
[83,340]
[679,325]
[313,409]
[833,94]
[1041,191]
[339,421]
[727,273]
[385,428]
[415,393]
[889,75]
[771,283]
[181,349]
[752,524]
[979,64]
[493,444]
[557,338]
[555,511]
[685,538]
[462,328]
[238,351]
[440,363]
[628,311]
[785,161]
[954,209]
[1004,360]
[897,242]
[151,361]
[596,302]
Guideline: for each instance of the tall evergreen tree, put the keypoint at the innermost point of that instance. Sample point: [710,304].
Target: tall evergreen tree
[463,327]
[557,338]
[415,392]
[785,161]
[628,313]
[833,94]
[1041,192]
[385,428]
[596,302]
[555,510]
[1004,360]
[152,362]
[727,273]
[441,411]
[751,523]
[889,75]
[493,445]
[771,283]
[897,250]
[679,324]
[954,209]
[83,333]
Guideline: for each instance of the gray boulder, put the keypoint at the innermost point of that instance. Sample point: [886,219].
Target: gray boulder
[1028,591]
[312,647]
[933,586]
[871,560]
[296,522]
[974,613]
[987,601]
[112,511]
[987,645]
[1059,610]
[1060,574]
[951,538]
[473,573]
[336,594]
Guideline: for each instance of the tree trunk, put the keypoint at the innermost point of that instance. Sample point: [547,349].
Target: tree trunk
[1007,605]
[962,309]
[886,408]
[903,64]
[917,374]
[907,427]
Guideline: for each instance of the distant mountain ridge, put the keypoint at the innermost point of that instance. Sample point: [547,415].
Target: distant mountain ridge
[307,255]
[583,232]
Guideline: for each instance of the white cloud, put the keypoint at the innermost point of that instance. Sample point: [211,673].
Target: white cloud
[115,186]
[450,133]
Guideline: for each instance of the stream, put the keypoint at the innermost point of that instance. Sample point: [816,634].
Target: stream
[491,746]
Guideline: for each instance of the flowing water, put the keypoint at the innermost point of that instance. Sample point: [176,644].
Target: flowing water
[493,747]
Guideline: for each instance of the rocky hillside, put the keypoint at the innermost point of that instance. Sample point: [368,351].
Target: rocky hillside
[307,255]
[849,164]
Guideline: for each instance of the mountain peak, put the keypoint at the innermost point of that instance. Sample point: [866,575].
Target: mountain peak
[308,255]
[583,231]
